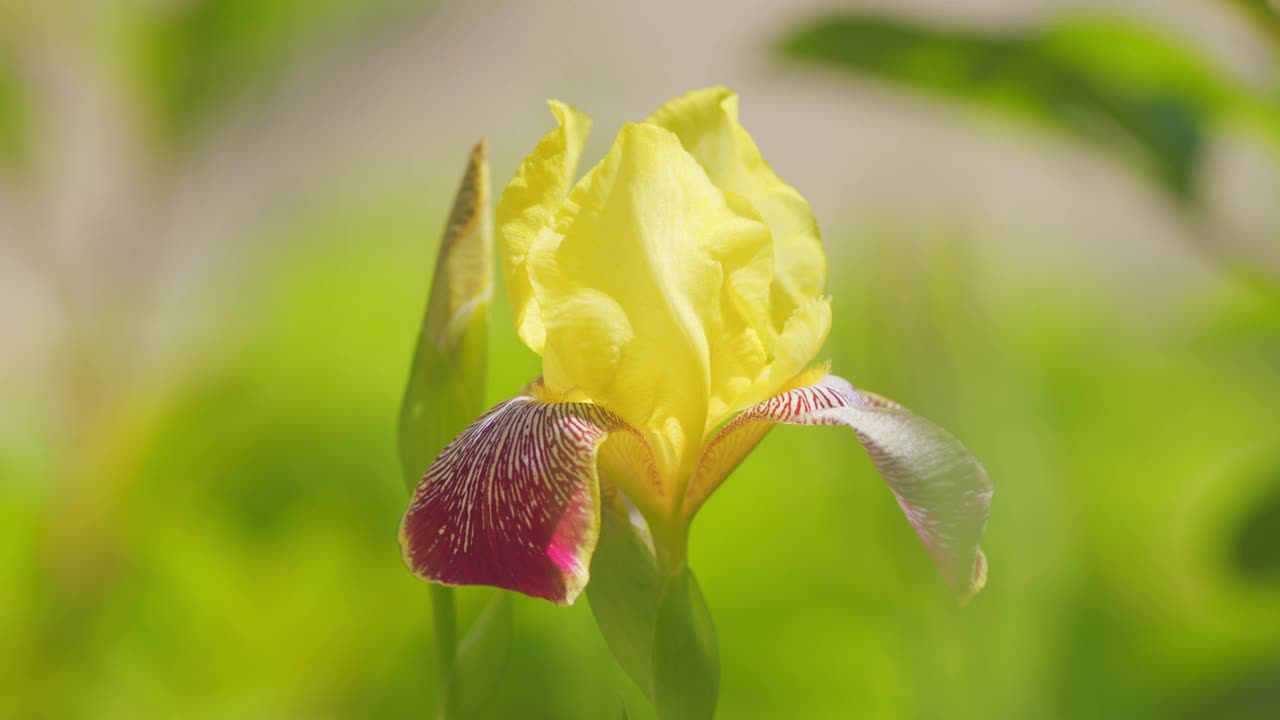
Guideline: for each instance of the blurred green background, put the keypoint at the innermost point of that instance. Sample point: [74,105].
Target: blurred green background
[1051,230]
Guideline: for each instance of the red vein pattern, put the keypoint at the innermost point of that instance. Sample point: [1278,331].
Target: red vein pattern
[940,486]
[513,501]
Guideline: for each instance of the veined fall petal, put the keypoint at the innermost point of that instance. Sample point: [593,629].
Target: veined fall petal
[513,500]
[941,487]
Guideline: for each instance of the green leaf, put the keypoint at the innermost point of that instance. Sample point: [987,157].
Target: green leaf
[625,590]
[14,117]
[1264,14]
[482,658]
[658,629]
[1141,95]
[447,379]
[195,58]
[686,657]
[445,392]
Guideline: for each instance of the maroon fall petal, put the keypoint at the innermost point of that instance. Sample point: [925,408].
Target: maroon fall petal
[513,501]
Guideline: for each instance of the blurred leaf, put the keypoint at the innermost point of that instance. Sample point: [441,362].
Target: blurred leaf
[447,380]
[686,657]
[445,392]
[196,56]
[482,657]
[625,591]
[1256,546]
[1128,89]
[1265,14]
[13,116]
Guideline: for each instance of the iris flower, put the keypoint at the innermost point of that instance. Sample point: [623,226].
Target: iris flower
[676,296]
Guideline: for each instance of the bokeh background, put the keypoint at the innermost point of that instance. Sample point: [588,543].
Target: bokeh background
[1054,227]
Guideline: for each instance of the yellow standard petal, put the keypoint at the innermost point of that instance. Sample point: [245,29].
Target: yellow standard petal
[652,292]
[706,121]
[528,208]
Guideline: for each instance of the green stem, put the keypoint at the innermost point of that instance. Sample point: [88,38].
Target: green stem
[445,618]
[670,542]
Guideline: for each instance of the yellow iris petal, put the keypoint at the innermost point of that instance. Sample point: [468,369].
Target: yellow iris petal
[528,208]
[678,282]
[651,293]
[706,121]
[801,338]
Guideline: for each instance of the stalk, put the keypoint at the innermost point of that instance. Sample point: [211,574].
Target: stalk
[445,620]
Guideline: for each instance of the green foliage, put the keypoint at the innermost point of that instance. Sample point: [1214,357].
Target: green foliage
[481,660]
[446,387]
[1142,96]
[198,56]
[13,116]
[658,628]
[1265,14]
[686,657]
[445,392]
[1255,548]
[625,592]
